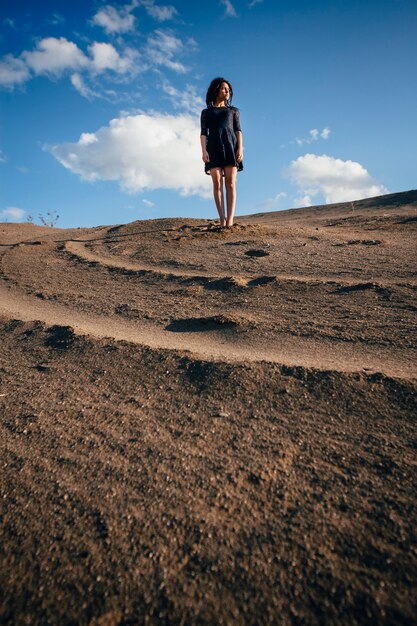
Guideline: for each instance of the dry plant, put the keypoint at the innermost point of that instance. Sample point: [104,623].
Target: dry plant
[50,219]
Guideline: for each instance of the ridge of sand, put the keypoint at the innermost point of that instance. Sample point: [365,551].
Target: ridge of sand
[212,345]
[202,335]
[79,250]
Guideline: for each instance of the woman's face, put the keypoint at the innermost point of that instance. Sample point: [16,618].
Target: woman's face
[224,92]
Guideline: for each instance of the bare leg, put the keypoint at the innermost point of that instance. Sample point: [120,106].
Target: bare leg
[230,172]
[217,178]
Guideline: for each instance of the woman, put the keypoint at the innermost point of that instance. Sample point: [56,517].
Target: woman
[221,144]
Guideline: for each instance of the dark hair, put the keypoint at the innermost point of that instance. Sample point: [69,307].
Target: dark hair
[213,91]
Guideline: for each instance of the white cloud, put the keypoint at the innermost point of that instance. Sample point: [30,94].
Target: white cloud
[186,99]
[145,151]
[336,180]
[162,47]
[159,12]
[115,20]
[105,57]
[2,157]
[120,20]
[78,82]
[271,203]
[229,9]
[9,22]
[148,203]
[56,19]
[303,201]
[54,56]
[314,135]
[87,138]
[12,214]
[13,71]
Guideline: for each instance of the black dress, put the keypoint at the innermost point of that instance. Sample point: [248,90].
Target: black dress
[219,125]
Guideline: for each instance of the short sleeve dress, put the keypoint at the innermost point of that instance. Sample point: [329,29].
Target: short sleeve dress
[219,125]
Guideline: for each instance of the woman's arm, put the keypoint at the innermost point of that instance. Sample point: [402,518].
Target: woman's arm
[239,149]
[205,154]
[239,136]
[203,136]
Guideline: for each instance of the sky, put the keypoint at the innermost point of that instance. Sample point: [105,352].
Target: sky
[101,101]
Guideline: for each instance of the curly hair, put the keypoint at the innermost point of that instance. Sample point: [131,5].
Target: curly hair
[214,88]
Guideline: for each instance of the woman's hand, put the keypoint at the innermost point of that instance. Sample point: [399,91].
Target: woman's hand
[206,157]
[239,156]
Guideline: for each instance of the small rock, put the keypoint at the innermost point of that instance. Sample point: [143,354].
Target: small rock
[41,368]
[256,253]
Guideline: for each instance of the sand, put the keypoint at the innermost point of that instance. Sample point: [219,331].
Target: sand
[210,426]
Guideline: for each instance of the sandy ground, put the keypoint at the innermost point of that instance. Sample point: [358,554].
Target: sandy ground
[210,426]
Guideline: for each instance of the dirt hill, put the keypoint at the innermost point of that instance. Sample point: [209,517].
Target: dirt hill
[210,426]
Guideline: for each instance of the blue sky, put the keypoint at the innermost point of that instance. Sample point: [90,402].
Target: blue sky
[100,104]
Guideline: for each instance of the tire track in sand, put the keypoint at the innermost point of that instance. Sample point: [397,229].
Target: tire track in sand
[223,344]
[79,250]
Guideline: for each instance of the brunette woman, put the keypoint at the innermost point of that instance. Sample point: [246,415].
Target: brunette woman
[222,146]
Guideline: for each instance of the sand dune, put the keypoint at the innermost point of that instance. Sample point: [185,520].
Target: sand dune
[202,425]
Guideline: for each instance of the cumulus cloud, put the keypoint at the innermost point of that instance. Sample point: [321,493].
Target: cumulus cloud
[87,138]
[12,214]
[54,56]
[13,71]
[105,57]
[314,135]
[335,179]
[145,151]
[120,20]
[114,20]
[229,9]
[162,46]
